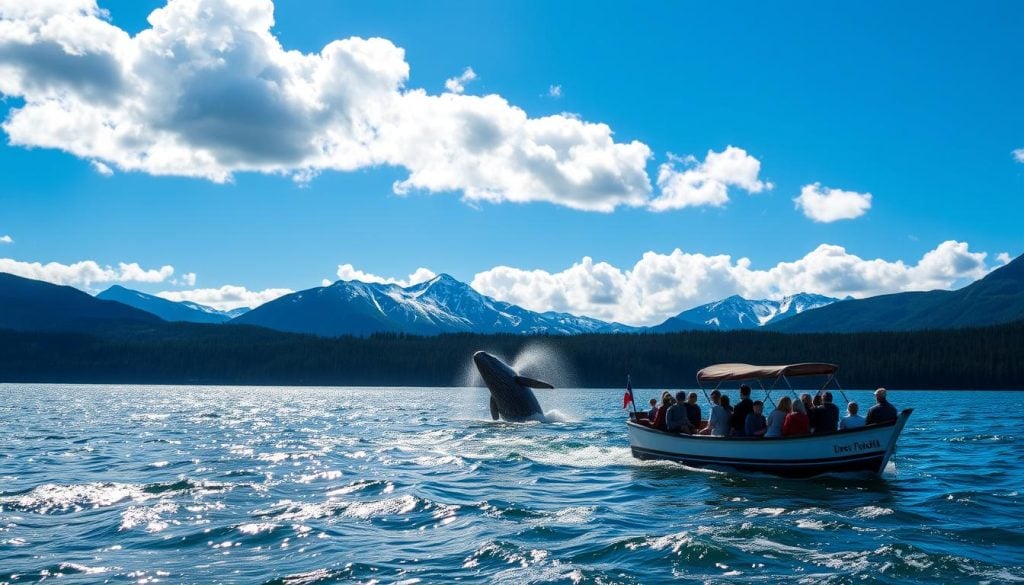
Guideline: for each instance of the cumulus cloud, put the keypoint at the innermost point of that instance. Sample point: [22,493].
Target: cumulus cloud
[458,84]
[659,286]
[1018,155]
[5,239]
[350,272]
[85,273]
[555,91]
[1004,258]
[825,205]
[687,182]
[208,91]
[226,297]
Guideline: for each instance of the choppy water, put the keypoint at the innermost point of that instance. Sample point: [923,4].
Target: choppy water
[324,485]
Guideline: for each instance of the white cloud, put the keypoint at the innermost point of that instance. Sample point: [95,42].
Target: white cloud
[85,273]
[5,239]
[102,168]
[208,91]
[226,297]
[662,285]
[1004,258]
[1018,155]
[350,272]
[708,182]
[458,84]
[187,279]
[555,91]
[825,205]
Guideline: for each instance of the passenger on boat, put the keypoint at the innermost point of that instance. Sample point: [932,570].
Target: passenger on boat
[812,412]
[693,410]
[827,415]
[755,424]
[659,418]
[727,405]
[718,420]
[654,409]
[853,420]
[797,422]
[882,412]
[676,420]
[744,407]
[808,407]
[777,418]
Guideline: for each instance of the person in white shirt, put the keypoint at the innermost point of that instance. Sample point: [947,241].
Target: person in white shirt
[852,421]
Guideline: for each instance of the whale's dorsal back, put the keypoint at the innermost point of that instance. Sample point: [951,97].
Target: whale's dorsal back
[532,383]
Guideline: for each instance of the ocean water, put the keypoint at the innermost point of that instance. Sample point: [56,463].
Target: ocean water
[190,484]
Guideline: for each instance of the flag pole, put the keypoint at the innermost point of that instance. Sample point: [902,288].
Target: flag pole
[632,398]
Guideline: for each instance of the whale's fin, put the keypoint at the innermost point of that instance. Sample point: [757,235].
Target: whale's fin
[531,383]
[494,409]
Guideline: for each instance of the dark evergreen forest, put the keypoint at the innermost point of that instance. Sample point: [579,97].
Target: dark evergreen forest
[979,358]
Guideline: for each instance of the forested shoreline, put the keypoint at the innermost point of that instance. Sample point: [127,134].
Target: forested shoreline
[180,353]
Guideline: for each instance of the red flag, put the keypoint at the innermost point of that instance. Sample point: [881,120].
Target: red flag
[628,396]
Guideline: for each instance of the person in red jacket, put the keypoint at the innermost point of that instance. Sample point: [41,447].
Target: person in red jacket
[659,417]
[797,422]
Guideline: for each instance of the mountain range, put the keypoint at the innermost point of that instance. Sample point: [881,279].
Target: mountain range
[169,310]
[33,305]
[439,305]
[996,298]
[446,305]
[736,312]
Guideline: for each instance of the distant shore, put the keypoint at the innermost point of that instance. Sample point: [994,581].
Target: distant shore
[986,358]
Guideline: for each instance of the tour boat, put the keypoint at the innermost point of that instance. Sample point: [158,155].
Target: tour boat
[865,449]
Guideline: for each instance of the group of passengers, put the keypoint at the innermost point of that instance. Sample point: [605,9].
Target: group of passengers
[789,418]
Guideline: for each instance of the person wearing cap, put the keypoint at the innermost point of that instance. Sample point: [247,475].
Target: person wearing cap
[880,413]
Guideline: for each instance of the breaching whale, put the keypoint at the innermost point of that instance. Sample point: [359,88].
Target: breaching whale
[511,397]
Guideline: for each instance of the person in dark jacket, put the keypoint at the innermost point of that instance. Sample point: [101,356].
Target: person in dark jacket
[755,425]
[693,410]
[826,419]
[676,420]
[813,413]
[882,412]
[745,406]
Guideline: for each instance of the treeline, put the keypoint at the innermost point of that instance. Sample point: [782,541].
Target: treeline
[981,358]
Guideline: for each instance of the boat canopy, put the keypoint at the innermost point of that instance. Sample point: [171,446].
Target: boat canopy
[722,372]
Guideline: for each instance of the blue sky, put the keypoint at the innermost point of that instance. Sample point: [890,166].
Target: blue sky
[917,104]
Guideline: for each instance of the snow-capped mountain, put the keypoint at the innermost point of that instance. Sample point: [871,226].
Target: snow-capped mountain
[736,312]
[440,305]
[168,310]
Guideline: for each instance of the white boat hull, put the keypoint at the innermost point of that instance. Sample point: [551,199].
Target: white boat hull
[866,449]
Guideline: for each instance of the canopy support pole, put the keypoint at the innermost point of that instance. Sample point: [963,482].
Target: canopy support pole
[767,392]
[841,390]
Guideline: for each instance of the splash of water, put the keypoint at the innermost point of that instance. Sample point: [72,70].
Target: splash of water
[540,360]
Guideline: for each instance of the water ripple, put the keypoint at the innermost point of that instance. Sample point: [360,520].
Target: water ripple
[328,485]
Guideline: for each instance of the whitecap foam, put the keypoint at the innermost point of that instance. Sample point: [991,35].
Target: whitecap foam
[872,512]
[152,517]
[50,497]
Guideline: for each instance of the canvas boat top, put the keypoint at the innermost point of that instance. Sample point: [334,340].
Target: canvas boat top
[723,372]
